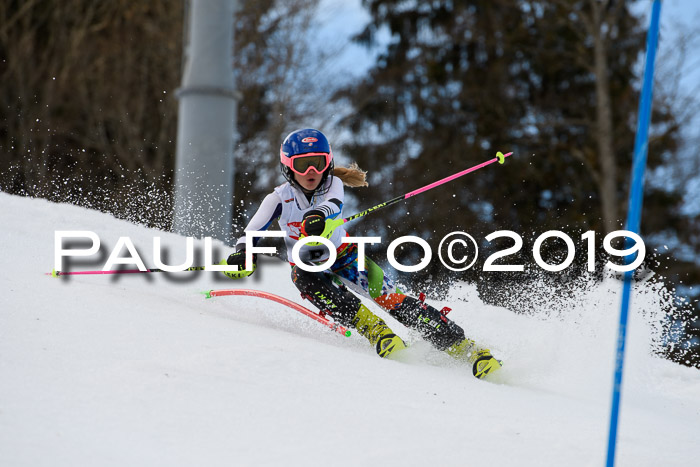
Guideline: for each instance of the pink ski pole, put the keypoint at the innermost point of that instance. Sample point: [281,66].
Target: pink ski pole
[55,273]
[500,158]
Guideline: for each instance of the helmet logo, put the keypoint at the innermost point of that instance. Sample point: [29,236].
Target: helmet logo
[309,139]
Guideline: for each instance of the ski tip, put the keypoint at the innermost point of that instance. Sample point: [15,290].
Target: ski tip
[347,333]
[206,293]
[53,273]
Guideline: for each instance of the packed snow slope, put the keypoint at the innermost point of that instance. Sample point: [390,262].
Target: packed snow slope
[141,369]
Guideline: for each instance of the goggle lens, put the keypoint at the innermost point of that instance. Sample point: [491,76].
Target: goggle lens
[301,165]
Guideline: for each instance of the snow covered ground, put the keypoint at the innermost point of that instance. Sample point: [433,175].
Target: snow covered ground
[143,370]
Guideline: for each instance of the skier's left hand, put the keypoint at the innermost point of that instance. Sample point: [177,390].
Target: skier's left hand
[314,223]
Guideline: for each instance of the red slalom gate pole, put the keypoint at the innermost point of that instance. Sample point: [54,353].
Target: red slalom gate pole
[276,298]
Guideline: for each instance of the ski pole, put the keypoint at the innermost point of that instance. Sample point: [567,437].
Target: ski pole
[55,273]
[500,158]
[231,274]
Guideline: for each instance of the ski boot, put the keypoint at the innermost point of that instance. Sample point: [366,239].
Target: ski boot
[483,363]
[375,330]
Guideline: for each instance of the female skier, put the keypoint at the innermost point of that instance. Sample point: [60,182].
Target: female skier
[314,193]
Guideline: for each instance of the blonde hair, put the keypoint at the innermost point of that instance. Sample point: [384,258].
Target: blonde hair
[352,175]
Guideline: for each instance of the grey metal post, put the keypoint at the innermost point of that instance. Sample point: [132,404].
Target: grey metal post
[206,124]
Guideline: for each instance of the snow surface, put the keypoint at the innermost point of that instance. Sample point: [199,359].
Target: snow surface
[143,370]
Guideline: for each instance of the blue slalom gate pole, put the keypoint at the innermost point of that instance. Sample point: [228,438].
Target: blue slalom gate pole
[634,215]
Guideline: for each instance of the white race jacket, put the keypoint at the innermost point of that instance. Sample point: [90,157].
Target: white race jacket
[288,205]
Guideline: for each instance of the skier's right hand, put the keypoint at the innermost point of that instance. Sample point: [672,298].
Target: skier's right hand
[238,259]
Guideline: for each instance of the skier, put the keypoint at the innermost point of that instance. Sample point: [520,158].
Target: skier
[314,193]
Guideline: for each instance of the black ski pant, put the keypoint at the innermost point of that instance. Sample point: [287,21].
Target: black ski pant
[328,293]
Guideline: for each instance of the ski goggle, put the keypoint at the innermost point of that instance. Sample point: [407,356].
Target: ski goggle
[303,163]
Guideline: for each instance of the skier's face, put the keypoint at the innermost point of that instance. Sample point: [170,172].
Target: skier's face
[309,181]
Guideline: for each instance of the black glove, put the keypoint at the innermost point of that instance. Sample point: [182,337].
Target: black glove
[314,223]
[238,259]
